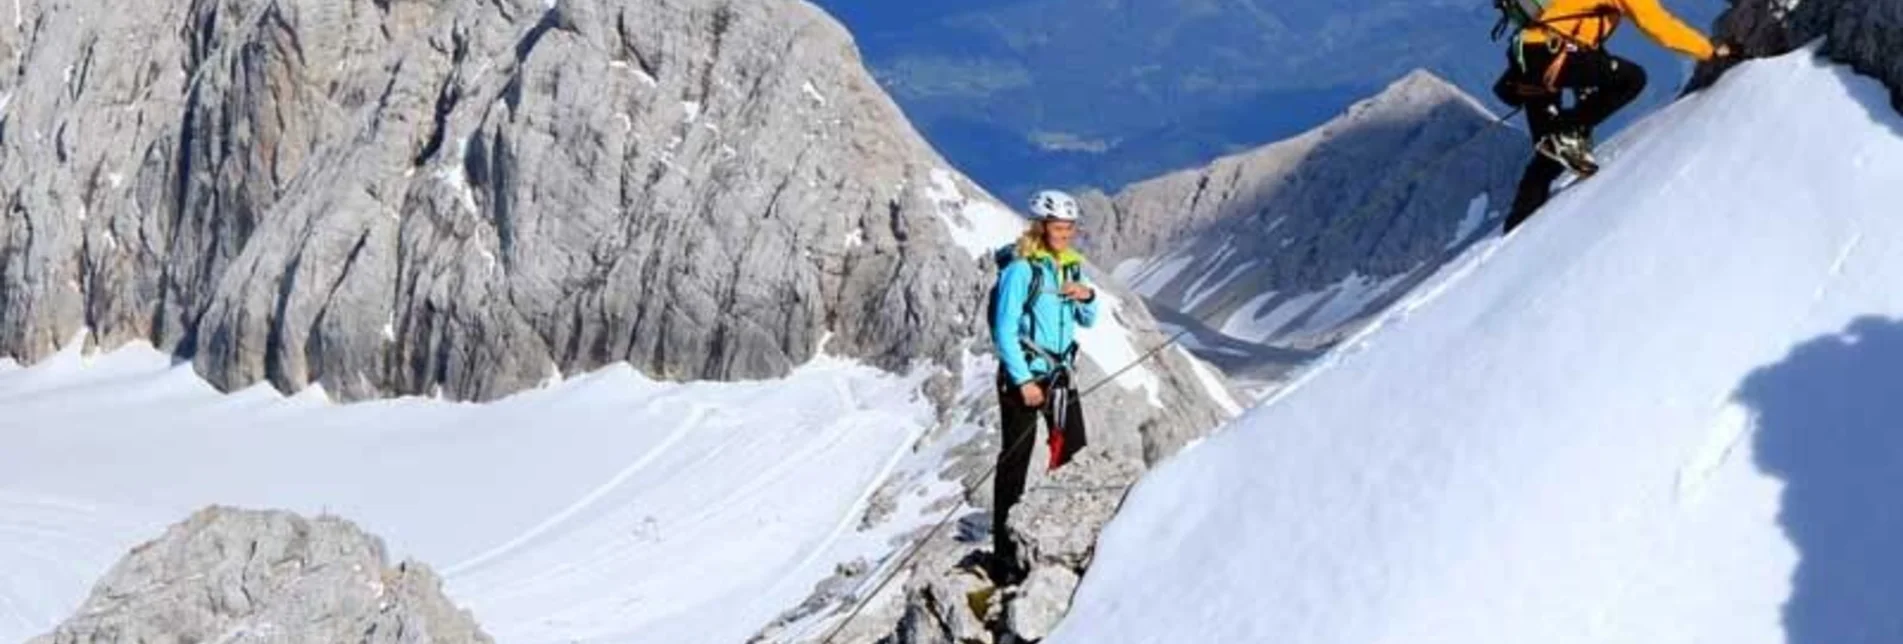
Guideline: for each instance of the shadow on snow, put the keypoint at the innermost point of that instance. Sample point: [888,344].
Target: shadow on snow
[1830,425]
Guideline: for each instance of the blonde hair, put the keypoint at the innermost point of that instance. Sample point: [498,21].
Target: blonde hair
[1031,243]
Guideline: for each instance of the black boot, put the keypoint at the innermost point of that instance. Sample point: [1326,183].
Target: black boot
[1571,148]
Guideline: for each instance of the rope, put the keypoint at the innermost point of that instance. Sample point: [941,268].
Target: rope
[917,547]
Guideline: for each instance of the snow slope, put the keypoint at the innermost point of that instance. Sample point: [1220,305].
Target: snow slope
[606,508]
[977,225]
[1668,410]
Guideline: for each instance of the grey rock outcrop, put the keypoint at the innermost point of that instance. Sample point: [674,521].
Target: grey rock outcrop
[1037,605]
[228,575]
[1378,196]
[1055,526]
[462,196]
[947,603]
[1865,34]
[1058,521]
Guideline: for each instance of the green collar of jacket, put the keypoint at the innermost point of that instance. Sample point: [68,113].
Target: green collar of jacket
[1065,258]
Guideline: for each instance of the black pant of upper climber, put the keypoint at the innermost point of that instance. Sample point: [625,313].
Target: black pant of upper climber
[1601,83]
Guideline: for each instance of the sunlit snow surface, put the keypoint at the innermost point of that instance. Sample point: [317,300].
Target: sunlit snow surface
[606,508]
[1669,409]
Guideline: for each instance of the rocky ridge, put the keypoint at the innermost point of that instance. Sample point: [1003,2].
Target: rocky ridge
[1865,34]
[230,575]
[1288,245]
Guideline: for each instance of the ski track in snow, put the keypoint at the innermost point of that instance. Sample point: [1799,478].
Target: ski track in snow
[674,438]
[604,508]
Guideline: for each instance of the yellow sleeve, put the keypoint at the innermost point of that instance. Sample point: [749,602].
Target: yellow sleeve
[1667,29]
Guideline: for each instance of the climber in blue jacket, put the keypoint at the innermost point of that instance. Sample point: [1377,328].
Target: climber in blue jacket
[1040,301]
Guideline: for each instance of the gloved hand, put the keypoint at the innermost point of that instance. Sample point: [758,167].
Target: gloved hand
[1724,51]
[1032,394]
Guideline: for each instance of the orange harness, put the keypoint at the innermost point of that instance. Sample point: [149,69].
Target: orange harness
[1564,44]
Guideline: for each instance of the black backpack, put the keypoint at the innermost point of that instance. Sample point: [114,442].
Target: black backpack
[1001,258]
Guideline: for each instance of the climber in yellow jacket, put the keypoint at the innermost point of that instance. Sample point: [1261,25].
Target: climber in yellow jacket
[1560,46]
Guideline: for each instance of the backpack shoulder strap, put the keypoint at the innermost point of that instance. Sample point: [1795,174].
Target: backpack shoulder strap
[1037,284]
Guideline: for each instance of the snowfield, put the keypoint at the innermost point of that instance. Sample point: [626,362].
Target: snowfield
[1669,410]
[606,508]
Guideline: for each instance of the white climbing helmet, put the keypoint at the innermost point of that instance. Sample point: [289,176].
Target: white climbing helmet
[1053,205]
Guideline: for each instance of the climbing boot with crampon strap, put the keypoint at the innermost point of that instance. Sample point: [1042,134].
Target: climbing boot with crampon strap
[1570,149]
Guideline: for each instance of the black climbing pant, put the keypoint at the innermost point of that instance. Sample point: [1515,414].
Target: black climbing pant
[1063,412]
[1601,84]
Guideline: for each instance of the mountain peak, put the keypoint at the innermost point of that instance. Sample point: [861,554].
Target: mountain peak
[1294,174]
[1413,93]
[1421,78]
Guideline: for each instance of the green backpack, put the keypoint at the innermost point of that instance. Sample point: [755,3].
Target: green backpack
[1516,15]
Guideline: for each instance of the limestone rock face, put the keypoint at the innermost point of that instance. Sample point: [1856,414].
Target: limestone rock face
[228,575]
[460,196]
[1056,524]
